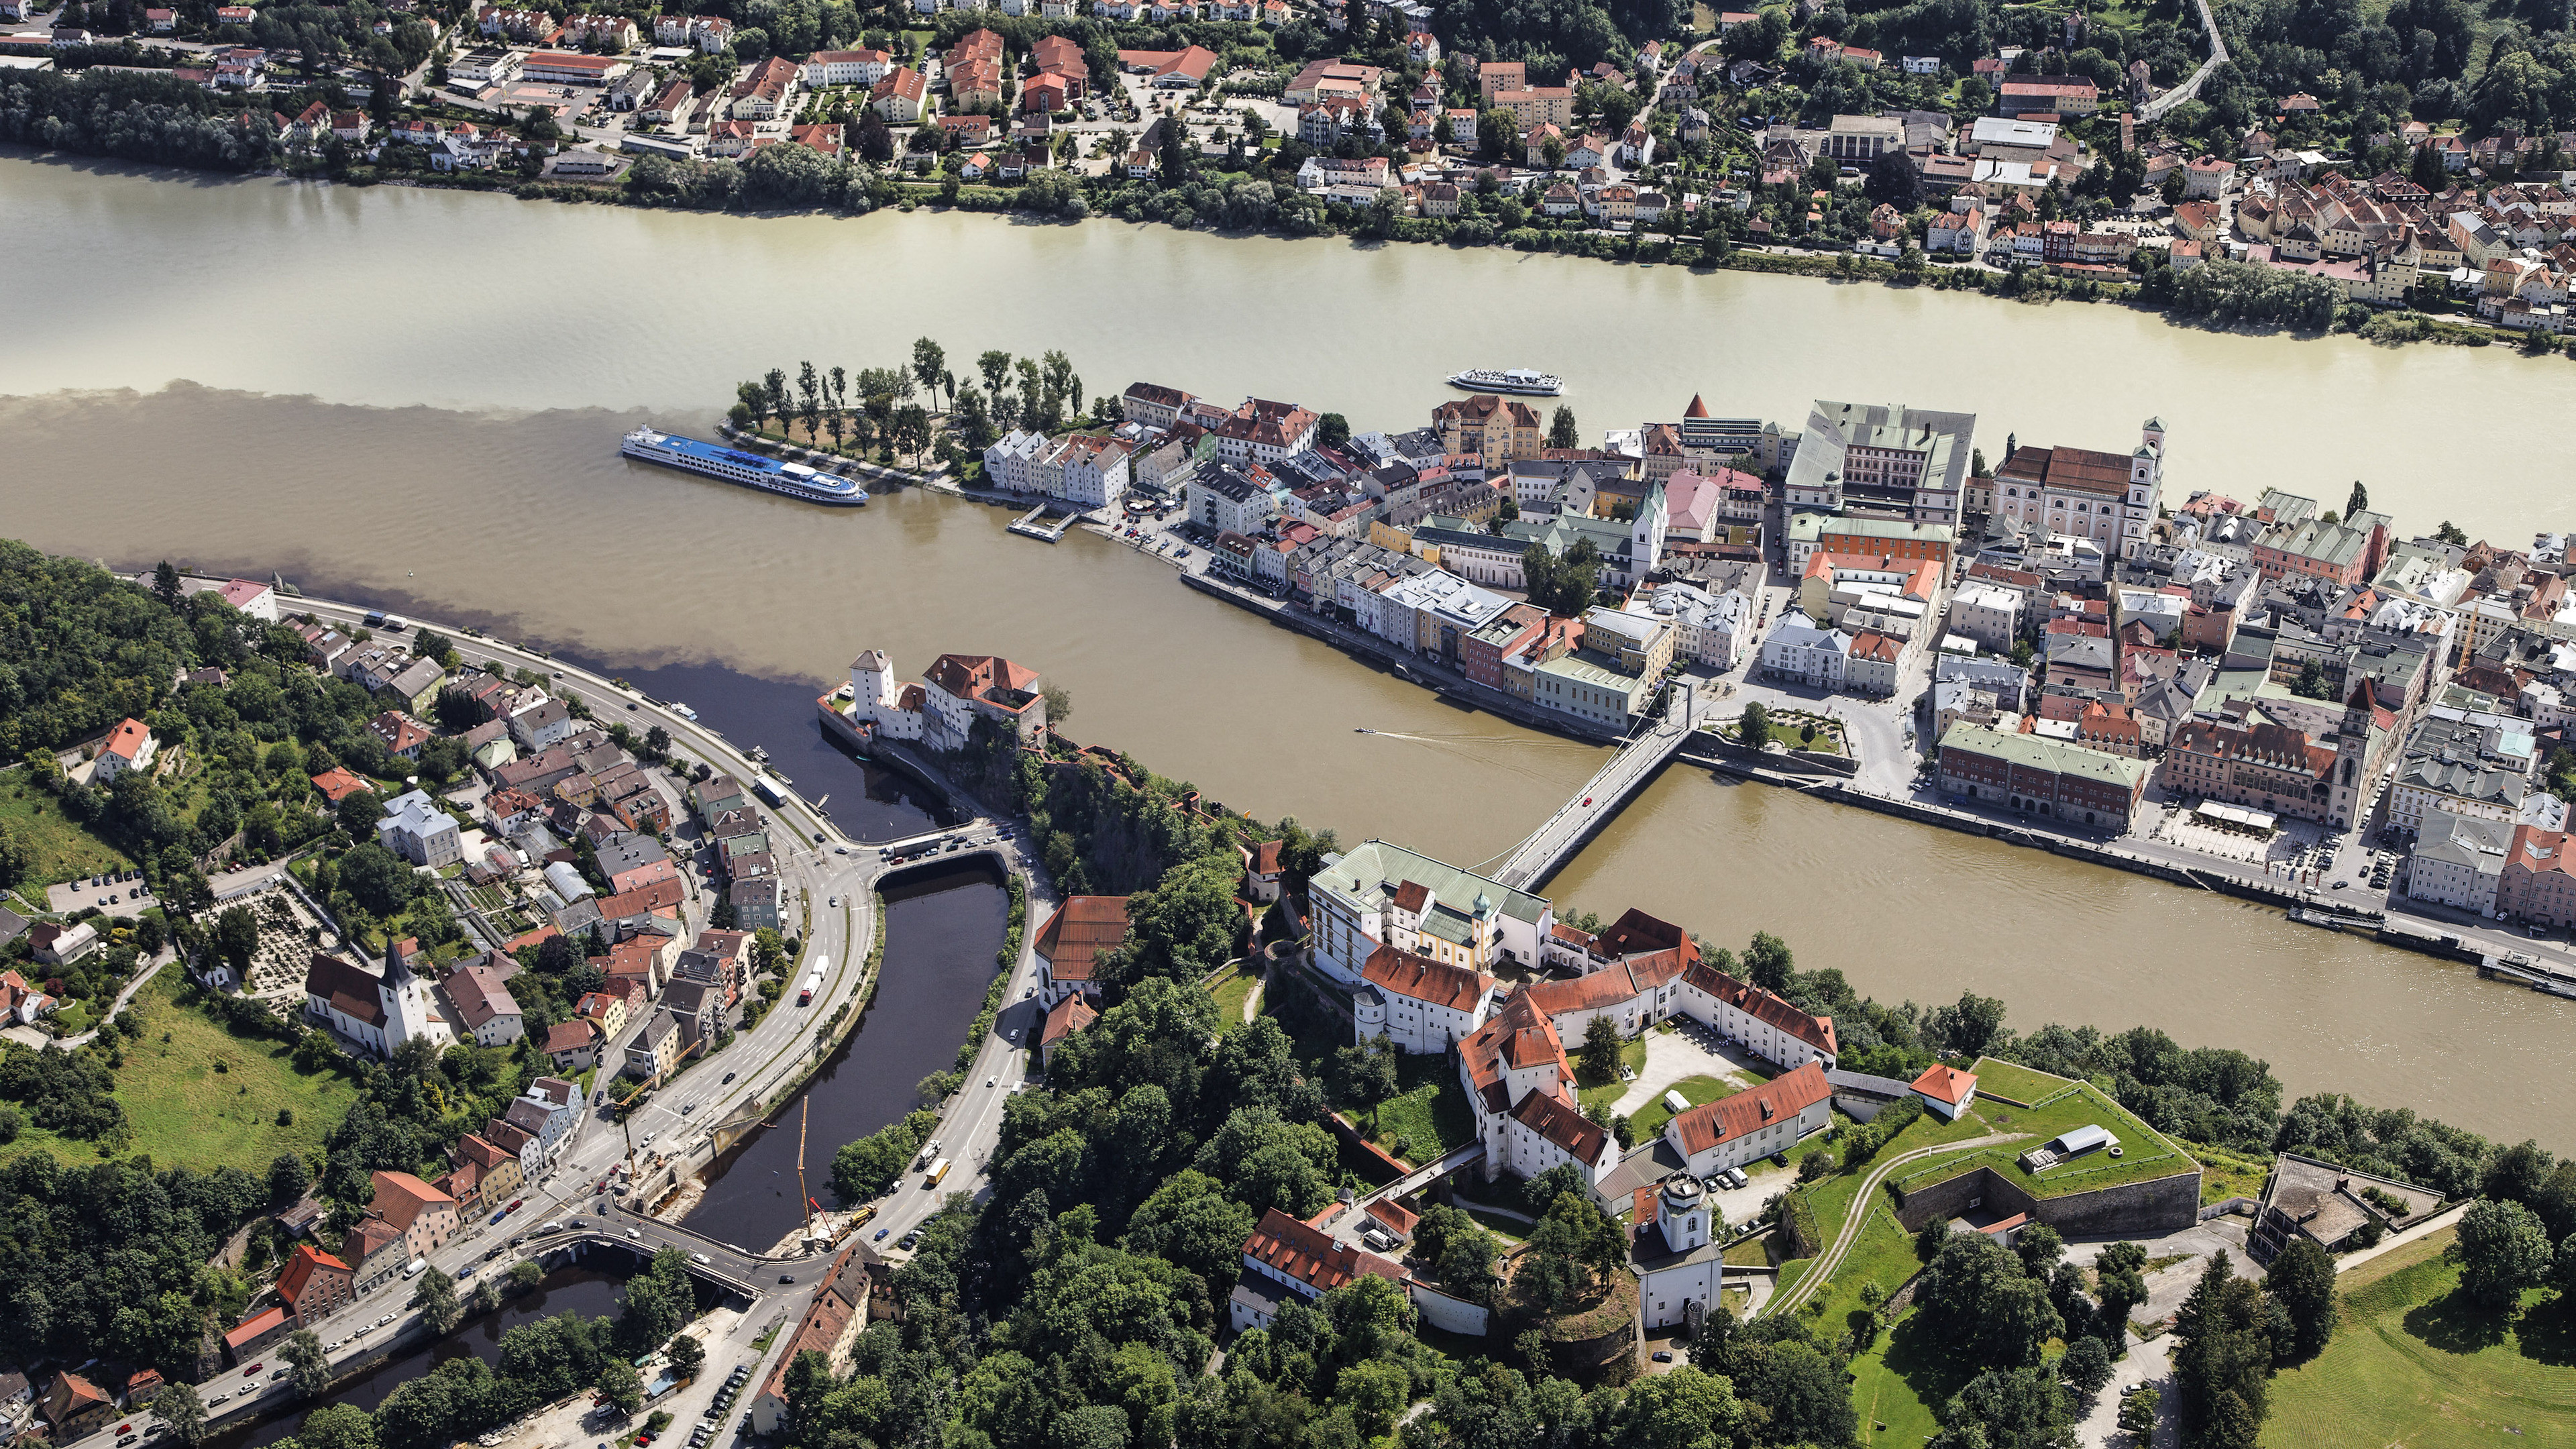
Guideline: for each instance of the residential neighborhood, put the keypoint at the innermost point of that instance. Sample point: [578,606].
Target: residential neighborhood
[1519,818]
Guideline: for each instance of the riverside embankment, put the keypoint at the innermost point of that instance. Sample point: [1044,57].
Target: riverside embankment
[482,456]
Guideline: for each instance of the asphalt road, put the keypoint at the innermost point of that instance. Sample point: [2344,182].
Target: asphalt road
[679,1116]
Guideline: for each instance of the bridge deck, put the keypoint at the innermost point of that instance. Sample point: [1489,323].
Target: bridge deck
[1589,808]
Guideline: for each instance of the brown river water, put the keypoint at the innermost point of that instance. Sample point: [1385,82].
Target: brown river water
[414,397]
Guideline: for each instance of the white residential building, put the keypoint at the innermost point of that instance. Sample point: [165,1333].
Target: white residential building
[1987,614]
[129,746]
[1086,470]
[1714,629]
[1011,462]
[1750,1125]
[1763,1024]
[2458,860]
[1521,1088]
[415,828]
[1423,1006]
[1675,1249]
[1798,650]
[1220,498]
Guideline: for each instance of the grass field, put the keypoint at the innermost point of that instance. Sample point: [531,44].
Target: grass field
[2414,1363]
[2145,1154]
[2225,1174]
[1590,1091]
[1650,1119]
[1884,1254]
[1831,1199]
[1430,1111]
[207,1098]
[1883,1394]
[63,851]
[1231,991]
[2011,1079]
[1751,1253]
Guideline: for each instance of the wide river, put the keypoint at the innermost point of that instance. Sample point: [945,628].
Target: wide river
[415,396]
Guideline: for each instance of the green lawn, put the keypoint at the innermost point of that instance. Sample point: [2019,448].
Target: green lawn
[1593,1091]
[1510,1230]
[1430,1112]
[1831,1199]
[2225,1174]
[1884,1253]
[1883,1395]
[1231,991]
[63,850]
[2010,1079]
[2414,1363]
[1698,1091]
[207,1098]
[1751,1253]
[2145,1154]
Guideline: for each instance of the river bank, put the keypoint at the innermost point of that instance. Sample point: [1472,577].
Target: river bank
[1696,255]
[486,459]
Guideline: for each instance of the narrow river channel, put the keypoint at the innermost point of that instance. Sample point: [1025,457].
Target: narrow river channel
[943,925]
[582,1291]
[942,929]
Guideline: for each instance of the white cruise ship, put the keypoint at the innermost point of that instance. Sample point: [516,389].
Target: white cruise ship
[794,480]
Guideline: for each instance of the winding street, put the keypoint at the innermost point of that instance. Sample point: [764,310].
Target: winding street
[1831,1259]
[569,1197]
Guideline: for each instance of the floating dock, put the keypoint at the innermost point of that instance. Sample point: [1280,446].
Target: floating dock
[1036,524]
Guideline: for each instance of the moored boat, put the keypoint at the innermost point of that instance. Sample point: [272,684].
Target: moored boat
[751,470]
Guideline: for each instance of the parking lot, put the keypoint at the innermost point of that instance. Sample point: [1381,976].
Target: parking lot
[121,894]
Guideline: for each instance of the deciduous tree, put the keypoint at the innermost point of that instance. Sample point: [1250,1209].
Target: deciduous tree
[2302,1280]
[433,1293]
[2501,1249]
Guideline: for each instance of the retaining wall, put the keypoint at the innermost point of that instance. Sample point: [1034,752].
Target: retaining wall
[1710,746]
[1457,1315]
[2154,1207]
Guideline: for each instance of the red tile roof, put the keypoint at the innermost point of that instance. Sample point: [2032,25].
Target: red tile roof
[1310,1256]
[256,1328]
[1561,1123]
[651,896]
[1946,1084]
[352,990]
[402,1198]
[1729,1118]
[1518,1035]
[483,1154]
[1069,1016]
[1620,981]
[300,1267]
[337,784]
[968,676]
[126,740]
[1423,979]
[569,1036]
[1762,1006]
[1082,930]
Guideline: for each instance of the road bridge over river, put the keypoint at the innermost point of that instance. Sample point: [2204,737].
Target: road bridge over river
[1655,741]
